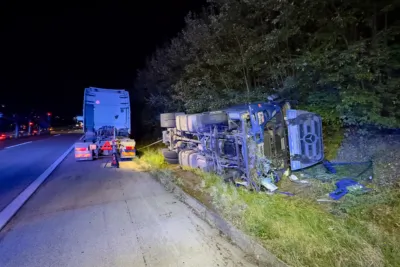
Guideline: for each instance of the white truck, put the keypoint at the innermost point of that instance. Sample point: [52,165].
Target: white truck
[106,125]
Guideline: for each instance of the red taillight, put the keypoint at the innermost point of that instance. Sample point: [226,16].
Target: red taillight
[80,149]
[129,147]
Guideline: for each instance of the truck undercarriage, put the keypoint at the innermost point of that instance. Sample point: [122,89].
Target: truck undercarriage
[249,144]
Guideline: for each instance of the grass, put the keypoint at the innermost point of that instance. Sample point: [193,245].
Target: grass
[153,157]
[360,230]
[303,233]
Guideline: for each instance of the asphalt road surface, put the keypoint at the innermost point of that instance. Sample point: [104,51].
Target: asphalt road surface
[23,160]
[86,214]
[13,142]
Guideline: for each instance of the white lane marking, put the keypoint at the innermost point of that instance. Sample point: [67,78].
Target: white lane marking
[18,144]
[8,212]
[57,135]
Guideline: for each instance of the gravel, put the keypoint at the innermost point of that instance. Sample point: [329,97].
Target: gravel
[382,149]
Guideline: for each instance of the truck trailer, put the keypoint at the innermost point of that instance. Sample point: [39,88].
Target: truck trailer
[250,145]
[106,125]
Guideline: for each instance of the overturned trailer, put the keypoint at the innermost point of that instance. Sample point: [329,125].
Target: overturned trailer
[250,145]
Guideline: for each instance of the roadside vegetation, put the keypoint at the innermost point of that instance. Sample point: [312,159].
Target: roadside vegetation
[340,59]
[337,58]
[360,230]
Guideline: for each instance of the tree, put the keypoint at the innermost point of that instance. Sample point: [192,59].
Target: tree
[338,58]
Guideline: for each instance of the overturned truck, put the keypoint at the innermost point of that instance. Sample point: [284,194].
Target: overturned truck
[250,145]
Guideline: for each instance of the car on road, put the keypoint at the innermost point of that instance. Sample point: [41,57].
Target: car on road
[23,134]
[6,135]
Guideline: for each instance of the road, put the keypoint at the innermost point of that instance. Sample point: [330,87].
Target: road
[86,214]
[23,160]
[12,142]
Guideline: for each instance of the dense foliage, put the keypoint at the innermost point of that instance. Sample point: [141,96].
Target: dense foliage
[338,58]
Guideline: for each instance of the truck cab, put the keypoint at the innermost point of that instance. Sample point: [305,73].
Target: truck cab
[287,137]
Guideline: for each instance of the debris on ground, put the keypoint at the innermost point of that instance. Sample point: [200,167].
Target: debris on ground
[295,179]
[345,186]
[268,184]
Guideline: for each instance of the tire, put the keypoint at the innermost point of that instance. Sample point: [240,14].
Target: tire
[167,116]
[168,123]
[168,120]
[171,161]
[168,154]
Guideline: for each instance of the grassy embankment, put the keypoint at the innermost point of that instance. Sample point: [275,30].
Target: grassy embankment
[359,230]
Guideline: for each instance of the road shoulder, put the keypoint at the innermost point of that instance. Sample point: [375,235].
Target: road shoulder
[88,215]
[188,192]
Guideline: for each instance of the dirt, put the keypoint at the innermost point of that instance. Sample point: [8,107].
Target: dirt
[191,184]
[382,150]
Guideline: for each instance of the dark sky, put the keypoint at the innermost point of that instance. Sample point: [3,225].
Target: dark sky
[49,54]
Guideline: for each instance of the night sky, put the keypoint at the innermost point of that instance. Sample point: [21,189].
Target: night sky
[49,54]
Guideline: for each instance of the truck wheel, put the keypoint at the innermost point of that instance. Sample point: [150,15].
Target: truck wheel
[168,154]
[172,161]
[167,120]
